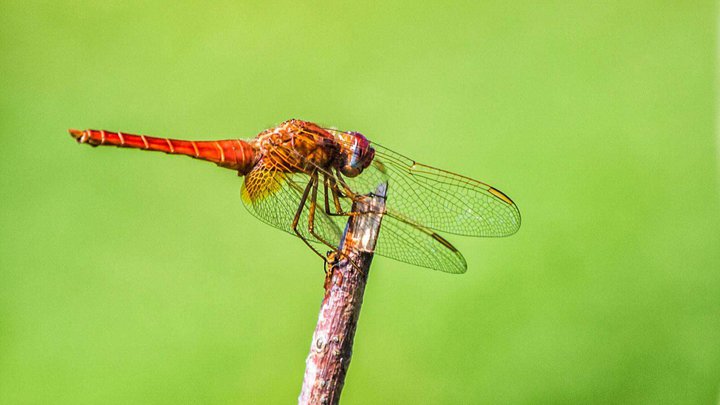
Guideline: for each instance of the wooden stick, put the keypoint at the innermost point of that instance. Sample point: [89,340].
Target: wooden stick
[331,346]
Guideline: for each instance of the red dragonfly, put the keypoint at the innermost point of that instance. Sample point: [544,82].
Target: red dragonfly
[303,179]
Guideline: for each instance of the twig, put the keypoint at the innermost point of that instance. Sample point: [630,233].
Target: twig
[331,346]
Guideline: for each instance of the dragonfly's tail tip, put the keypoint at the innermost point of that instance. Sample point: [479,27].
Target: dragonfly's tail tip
[75,133]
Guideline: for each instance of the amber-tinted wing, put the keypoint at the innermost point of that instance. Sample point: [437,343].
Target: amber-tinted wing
[274,197]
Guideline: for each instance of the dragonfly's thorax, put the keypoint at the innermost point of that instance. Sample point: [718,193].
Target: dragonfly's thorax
[298,146]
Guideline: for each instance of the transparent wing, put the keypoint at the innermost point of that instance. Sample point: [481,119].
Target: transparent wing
[274,197]
[438,199]
[405,241]
[411,243]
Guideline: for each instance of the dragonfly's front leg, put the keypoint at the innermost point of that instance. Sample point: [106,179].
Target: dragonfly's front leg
[349,192]
[336,195]
[339,179]
[329,182]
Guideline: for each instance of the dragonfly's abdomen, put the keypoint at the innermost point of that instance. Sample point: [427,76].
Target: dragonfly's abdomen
[233,154]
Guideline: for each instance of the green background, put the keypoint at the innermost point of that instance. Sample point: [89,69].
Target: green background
[132,277]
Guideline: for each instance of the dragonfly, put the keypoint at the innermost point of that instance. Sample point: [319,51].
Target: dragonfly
[303,178]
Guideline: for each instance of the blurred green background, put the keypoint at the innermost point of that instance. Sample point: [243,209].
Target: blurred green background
[132,277]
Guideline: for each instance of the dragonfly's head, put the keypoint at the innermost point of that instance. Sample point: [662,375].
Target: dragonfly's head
[356,153]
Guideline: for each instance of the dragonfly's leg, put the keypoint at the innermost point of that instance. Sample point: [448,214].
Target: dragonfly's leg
[331,187]
[325,194]
[333,256]
[344,185]
[311,212]
[351,194]
[332,261]
[336,194]
[296,220]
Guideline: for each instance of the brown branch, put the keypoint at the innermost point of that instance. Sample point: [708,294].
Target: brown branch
[331,346]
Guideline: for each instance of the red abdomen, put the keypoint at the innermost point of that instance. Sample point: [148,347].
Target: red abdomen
[234,154]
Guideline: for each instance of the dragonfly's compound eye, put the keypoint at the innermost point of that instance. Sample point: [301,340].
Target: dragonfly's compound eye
[358,157]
